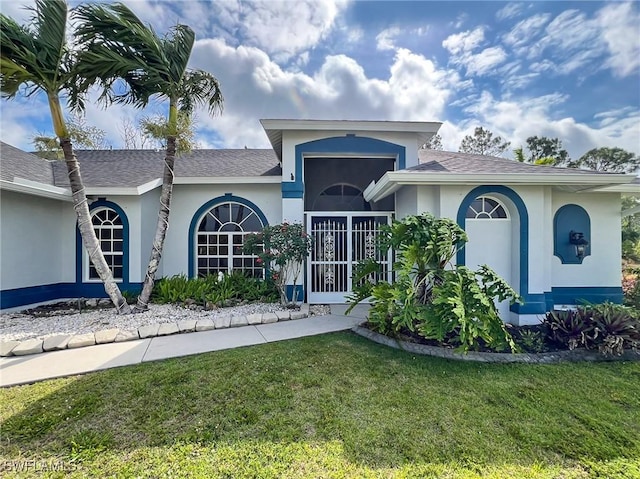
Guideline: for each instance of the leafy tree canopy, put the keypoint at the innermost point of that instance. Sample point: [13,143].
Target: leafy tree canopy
[483,142]
[82,135]
[614,160]
[434,143]
[543,151]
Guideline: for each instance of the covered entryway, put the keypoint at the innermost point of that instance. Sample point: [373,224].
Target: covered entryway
[340,241]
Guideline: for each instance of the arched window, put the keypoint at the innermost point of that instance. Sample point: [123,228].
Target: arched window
[485,207]
[220,236]
[109,229]
[341,197]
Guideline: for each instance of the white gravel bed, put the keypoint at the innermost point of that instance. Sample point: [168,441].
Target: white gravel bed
[20,326]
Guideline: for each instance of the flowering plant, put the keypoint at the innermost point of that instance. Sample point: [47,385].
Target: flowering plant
[281,250]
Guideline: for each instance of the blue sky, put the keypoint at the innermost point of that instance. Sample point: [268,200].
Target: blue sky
[569,70]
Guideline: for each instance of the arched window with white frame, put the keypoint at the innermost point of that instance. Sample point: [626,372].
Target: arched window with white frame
[110,228]
[220,236]
[486,207]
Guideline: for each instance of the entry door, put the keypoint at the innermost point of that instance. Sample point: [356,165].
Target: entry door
[488,226]
[340,241]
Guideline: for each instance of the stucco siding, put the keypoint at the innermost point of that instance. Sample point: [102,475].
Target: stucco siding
[31,245]
[406,202]
[149,206]
[602,266]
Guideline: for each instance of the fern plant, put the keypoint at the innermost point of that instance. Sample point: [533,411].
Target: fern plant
[429,295]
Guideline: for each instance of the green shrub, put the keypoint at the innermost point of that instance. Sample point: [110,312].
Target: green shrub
[531,340]
[282,250]
[631,288]
[429,296]
[214,289]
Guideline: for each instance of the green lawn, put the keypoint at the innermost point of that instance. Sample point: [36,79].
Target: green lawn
[330,406]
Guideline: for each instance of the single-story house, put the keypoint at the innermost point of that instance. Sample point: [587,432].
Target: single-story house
[552,233]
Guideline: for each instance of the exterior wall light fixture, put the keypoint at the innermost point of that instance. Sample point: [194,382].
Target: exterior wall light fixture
[576,238]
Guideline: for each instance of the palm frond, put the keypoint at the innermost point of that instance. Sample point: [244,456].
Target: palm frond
[115,44]
[36,55]
[200,88]
[177,47]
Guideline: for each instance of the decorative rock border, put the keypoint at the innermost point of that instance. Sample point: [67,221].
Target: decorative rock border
[64,341]
[577,355]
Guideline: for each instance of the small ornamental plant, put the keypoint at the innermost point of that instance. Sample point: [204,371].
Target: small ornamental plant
[281,250]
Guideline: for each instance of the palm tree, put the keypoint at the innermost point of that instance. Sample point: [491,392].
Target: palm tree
[37,59]
[114,40]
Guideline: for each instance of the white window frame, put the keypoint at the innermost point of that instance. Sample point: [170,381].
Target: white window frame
[229,256]
[87,261]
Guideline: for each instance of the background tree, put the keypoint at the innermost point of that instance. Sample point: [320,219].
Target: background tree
[614,160]
[434,143]
[483,142]
[82,136]
[543,150]
[36,58]
[117,45]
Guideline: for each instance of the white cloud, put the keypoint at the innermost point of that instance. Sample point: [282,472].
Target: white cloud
[620,24]
[526,31]
[519,118]
[461,46]
[256,87]
[510,10]
[282,29]
[485,61]
[462,42]
[385,40]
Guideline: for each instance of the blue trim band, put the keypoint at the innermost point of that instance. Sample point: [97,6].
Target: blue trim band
[102,203]
[524,239]
[587,294]
[12,298]
[197,217]
[340,145]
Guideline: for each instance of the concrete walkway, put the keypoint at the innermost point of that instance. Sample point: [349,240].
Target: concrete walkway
[37,367]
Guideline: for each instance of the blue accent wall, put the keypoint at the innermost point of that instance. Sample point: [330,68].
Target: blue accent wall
[534,303]
[13,298]
[300,291]
[570,218]
[197,217]
[124,284]
[340,145]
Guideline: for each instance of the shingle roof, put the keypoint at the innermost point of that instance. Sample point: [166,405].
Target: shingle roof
[130,168]
[465,163]
[15,163]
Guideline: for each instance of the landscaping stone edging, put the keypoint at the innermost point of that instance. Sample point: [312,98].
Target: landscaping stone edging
[577,355]
[61,341]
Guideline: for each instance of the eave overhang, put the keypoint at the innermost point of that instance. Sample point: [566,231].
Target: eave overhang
[274,128]
[20,185]
[391,181]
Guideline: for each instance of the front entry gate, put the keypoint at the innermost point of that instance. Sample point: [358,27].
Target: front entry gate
[340,241]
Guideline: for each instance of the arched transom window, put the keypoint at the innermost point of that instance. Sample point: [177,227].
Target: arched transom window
[109,229]
[341,197]
[484,207]
[220,238]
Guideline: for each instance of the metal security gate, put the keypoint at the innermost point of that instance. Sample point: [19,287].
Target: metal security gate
[340,240]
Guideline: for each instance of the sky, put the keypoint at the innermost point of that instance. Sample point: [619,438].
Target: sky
[567,70]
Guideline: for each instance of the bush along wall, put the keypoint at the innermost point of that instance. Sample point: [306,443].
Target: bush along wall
[430,297]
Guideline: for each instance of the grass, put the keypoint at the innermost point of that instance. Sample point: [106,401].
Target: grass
[329,406]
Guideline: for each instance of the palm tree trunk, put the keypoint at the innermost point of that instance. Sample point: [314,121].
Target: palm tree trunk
[81,207]
[162,225]
[87,232]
